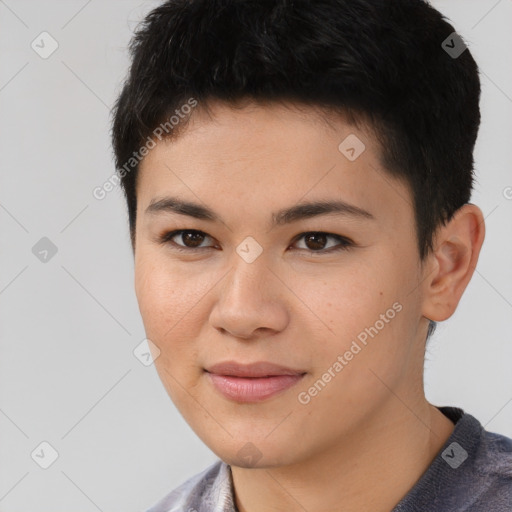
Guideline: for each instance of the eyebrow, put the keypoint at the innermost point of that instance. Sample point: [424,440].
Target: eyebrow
[285,216]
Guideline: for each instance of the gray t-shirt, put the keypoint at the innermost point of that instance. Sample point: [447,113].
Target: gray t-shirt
[471,473]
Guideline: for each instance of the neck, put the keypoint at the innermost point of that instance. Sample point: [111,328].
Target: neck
[372,469]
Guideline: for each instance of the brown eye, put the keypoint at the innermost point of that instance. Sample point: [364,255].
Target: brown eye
[317,241]
[190,238]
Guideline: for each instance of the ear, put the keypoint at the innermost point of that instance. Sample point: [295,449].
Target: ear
[452,262]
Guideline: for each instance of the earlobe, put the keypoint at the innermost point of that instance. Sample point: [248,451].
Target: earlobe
[453,260]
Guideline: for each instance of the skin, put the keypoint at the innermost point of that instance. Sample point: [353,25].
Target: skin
[366,438]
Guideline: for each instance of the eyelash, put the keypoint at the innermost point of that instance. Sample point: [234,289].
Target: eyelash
[345,243]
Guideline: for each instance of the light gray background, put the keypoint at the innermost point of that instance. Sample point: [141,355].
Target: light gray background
[69,326]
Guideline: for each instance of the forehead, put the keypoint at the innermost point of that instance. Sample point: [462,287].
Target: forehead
[273,124]
[261,156]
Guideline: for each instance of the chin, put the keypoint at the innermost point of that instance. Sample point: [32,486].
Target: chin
[254,453]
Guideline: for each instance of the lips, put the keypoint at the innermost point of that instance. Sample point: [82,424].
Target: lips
[259,369]
[254,382]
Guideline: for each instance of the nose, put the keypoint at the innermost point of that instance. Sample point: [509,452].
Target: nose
[250,302]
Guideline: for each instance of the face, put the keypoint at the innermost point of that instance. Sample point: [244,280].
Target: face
[331,291]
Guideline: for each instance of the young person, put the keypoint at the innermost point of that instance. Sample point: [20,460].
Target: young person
[298,177]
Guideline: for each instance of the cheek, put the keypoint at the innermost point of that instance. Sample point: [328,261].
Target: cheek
[369,325]
[350,299]
[172,310]
[170,303]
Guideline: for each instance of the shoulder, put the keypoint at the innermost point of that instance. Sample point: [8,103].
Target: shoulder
[471,473]
[484,480]
[493,472]
[204,491]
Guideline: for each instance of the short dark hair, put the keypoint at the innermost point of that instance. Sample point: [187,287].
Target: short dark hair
[379,61]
